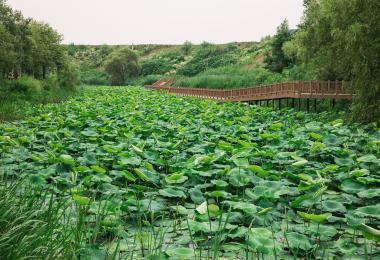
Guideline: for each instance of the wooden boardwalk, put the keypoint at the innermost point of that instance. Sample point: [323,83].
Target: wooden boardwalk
[289,90]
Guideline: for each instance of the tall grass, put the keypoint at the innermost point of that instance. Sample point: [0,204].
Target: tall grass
[237,76]
[31,226]
[14,104]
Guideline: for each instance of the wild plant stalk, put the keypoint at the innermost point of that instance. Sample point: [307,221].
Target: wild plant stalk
[30,224]
[192,238]
[222,227]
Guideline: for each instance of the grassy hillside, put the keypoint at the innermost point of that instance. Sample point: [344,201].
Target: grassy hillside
[206,65]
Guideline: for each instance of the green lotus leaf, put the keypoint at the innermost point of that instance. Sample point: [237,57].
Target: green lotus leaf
[298,241]
[219,194]
[81,200]
[82,169]
[331,140]
[196,195]
[135,161]
[276,126]
[129,176]
[314,217]
[180,253]
[300,163]
[213,209]
[141,174]
[369,211]
[323,232]
[219,183]
[98,169]
[333,206]
[172,193]
[346,246]
[176,178]
[258,170]
[359,173]
[238,178]
[67,159]
[241,162]
[36,179]
[179,209]
[344,161]
[370,233]
[260,240]
[244,206]
[89,133]
[368,158]
[369,194]
[202,209]
[240,232]
[352,186]
[316,136]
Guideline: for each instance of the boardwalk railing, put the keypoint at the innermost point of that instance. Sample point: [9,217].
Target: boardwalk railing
[293,89]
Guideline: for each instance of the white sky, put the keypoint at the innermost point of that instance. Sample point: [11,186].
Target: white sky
[162,21]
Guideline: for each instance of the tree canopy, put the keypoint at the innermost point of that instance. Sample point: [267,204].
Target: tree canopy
[121,64]
[277,61]
[27,47]
[340,39]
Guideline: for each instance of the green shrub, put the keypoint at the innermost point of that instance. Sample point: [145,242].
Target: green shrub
[92,76]
[146,80]
[206,58]
[162,63]
[155,66]
[236,76]
[50,83]
[25,84]
[68,77]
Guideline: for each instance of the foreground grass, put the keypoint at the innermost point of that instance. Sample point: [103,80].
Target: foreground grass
[238,76]
[155,176]
[17,105]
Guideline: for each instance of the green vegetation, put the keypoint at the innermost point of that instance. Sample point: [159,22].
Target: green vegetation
[29,228]
[122,64]
[236,76]
[34,67]
[340,40]
[16,104]
[277,60]
[130,173]
[198,179]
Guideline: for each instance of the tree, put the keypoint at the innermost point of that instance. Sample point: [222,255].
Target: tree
[277,61]
[121,64]
[187,47]
[340,39]
[31,50]
[47,53]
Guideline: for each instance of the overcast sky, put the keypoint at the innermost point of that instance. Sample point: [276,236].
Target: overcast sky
[162,21]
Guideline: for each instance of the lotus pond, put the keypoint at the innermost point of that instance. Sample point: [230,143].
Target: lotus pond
[162,177]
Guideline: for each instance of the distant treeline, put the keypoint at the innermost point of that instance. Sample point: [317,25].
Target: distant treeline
[34,66]
[30,48]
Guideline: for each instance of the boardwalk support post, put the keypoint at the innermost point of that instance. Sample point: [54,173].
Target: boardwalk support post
[308,105]
[315,105]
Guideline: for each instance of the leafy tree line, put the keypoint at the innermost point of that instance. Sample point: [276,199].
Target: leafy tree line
[31,49]
[340,39]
